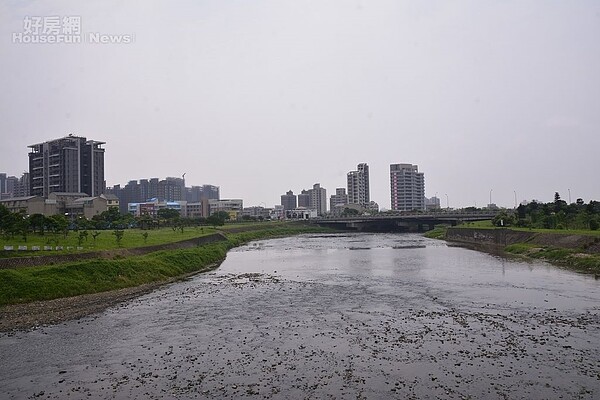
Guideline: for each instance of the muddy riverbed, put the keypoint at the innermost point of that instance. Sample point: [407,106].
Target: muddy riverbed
[362,316]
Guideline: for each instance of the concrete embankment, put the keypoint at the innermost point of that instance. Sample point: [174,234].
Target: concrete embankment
[498,239]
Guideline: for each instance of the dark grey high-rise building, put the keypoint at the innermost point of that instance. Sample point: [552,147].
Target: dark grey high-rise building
[288,200]
[304,199]
[70,164]
[358,185]
[22,187]
[210,192]
[3,183]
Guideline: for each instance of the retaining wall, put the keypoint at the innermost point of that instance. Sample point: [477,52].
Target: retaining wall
[502,237]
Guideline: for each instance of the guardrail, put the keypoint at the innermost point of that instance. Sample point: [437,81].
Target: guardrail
[432,215]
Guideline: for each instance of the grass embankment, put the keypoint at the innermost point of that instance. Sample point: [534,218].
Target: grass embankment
[438,233]
[105,240]
[92,276]
[576,259]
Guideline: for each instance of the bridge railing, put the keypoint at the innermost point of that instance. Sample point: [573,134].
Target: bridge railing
[450,215]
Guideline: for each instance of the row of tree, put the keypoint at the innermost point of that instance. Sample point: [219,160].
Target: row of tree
[20,224]
[555,215]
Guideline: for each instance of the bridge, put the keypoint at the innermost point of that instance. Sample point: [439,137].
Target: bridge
[402,222]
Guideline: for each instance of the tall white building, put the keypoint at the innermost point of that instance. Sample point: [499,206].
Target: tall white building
[358,185]
[407,187]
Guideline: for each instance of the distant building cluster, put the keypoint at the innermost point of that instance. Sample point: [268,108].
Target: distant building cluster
[295,206]
[66,175]
[407,190]
[11,186]
[169,189]
[313,202]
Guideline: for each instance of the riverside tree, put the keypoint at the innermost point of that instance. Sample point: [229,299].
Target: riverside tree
[560,215]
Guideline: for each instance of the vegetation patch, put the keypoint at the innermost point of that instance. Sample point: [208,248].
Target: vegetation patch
[439,232]
[572,258]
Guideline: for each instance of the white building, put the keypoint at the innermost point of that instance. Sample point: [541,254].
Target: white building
[407,187]
[300,213]
[358,185]
[233,207]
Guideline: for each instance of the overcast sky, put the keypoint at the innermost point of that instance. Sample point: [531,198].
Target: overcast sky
[260,97]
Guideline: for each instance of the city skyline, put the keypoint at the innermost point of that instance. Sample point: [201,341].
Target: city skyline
[486,97]
[571,197]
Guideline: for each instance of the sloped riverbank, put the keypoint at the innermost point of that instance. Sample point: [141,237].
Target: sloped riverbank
[575,251]
[49,294]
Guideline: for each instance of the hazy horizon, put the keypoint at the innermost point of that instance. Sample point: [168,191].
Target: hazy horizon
[263,97]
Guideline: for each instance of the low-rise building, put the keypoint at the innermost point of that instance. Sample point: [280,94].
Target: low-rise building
[301,213]
[340,198]
[111,200]
[277,212]
[152,207]
[257,212]
[233,207]
[31,205]
[87,206]
[194,210]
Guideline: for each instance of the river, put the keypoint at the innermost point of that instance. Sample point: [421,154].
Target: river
[343,316]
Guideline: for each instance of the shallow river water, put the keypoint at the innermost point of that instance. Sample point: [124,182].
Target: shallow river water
[359,316]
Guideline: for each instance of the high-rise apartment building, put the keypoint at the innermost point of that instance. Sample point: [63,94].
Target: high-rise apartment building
[210,192]
[148,189]
[318,199]
[3,178]
[70,164]
[22,186]
[358,185]
[171,189]
[289,200]
[304,199]
[407,187]
[9,186]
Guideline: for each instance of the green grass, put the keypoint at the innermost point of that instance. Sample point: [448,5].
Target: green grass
[439,232]
[91,276]
[572,258]
[107,241]
[477,224]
